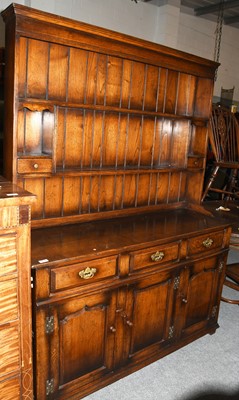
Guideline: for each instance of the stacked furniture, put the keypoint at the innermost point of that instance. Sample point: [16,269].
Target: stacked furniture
[110,133]
[15,300]
[2,63]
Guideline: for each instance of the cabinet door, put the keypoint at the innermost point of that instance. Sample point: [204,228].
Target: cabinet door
[74,345]
[199,295]
[148,316]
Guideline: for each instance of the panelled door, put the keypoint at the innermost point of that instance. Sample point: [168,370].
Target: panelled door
[74,344]
[199,295]
[148,315]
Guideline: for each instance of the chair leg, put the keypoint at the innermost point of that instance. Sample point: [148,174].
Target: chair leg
[210,181]
[231,282]
[231,285]
[229,300]
[230,189]
[232,182]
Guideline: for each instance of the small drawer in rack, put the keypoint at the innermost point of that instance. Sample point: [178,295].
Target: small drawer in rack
[83,273]
[202,243]
[158,255]
[31,165]
[195,162]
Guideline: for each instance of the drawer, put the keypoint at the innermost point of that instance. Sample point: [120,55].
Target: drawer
[8,301]
[34,165]
[9,350]
[10,387]
[154,256]
[205,243]
[195,162]
[83,273]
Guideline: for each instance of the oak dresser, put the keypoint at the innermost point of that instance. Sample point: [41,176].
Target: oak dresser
[110,133]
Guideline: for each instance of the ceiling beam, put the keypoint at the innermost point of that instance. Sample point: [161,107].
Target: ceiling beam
[215,7]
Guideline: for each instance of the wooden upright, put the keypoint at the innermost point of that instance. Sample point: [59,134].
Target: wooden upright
[15,293]
[110,133]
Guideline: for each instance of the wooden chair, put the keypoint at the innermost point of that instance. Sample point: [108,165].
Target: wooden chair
[232,281]
[226,98]
[224,141]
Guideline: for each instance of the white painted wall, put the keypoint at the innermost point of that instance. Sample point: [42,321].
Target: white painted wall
[165,25]
[199,38]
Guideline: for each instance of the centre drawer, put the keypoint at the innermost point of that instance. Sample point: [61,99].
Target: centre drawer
[83,273]
[154,256]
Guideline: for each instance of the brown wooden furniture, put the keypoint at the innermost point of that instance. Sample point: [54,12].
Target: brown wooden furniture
[2,64]
[110,133]
[224,141]
[232,281]
[15,293]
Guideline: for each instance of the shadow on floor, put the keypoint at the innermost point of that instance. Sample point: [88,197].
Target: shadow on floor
[214,395]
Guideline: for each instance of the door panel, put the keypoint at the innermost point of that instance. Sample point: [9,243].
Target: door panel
[80,345]
[151,301]
[149,312]
[198,295]
[84,351]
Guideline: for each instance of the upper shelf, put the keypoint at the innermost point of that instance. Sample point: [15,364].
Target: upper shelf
[103,124]
[36,105]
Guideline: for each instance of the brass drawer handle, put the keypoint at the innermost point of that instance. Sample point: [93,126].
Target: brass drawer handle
[35,166]
[87,273]
[158,256]
[207,243]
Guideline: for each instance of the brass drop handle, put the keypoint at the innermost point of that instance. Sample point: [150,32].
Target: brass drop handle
[112,329]
[158,256]
[87,273]
[35,166]
[207,243]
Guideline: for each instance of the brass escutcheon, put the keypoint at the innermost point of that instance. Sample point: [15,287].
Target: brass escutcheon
[87,273]
[207,243]
[158,256]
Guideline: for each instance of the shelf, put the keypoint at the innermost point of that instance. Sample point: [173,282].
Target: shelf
[46,170]
[48,105]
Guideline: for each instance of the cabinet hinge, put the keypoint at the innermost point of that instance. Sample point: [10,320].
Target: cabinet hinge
[171,332]
[221,265]
[49,325]
[49,386]
[214,311]
[176,282]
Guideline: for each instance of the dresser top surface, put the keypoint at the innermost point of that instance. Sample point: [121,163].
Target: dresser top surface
[11,194]
[94,239]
